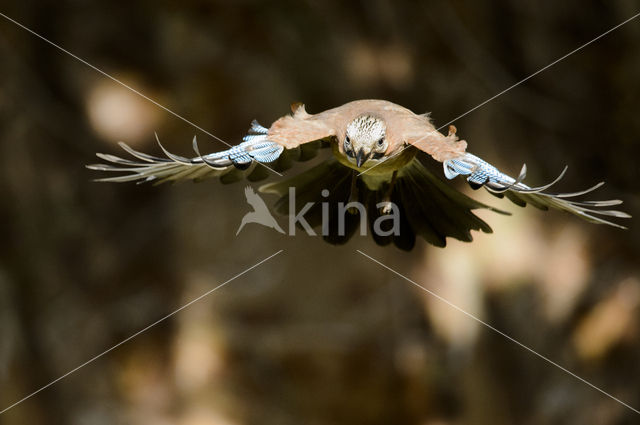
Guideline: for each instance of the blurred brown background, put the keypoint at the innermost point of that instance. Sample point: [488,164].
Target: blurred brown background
[319,334]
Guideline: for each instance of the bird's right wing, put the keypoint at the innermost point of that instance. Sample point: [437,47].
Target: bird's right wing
[255,158]
[148,168]
[301,127]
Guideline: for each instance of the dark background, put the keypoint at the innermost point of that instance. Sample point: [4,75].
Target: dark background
[319,334]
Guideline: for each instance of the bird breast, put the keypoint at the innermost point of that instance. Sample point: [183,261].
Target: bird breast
[379,173]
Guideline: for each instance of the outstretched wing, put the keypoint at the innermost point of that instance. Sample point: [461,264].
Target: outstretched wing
[420,133]
[482,174]
[261,152]
[300,128]
[146,168]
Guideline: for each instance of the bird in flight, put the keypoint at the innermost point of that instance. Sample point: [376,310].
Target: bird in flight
[382,155]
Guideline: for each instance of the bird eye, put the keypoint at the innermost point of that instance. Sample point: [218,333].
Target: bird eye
[347,140]
[381,142]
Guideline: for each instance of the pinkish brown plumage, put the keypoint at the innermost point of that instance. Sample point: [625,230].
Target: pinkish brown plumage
[380,156]
[404,128]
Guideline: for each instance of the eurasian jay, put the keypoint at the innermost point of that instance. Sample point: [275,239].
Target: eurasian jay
[380,159]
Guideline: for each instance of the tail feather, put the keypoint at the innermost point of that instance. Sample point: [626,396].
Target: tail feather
[481,173]
[308,188]
[427,206]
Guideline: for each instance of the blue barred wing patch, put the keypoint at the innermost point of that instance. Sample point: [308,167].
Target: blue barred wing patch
[256,147]
[482,174]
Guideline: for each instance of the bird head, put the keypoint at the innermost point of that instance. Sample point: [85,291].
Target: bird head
[365,139]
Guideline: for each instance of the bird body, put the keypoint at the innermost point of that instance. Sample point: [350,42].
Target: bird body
[376,170]
[403,127]
[382,155]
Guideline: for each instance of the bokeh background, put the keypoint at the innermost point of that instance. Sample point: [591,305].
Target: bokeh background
[319,334]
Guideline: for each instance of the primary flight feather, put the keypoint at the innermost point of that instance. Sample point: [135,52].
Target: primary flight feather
[380,152]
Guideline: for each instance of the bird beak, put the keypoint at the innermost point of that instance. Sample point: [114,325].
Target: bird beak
[361,158]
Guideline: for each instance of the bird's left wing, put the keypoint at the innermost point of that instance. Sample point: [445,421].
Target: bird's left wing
[420,133]
[482,174]
[417,131]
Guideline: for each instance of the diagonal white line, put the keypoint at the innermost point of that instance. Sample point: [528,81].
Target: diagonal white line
[499,332]
[517,84]
[124,84]
[91,360]
[541,70]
